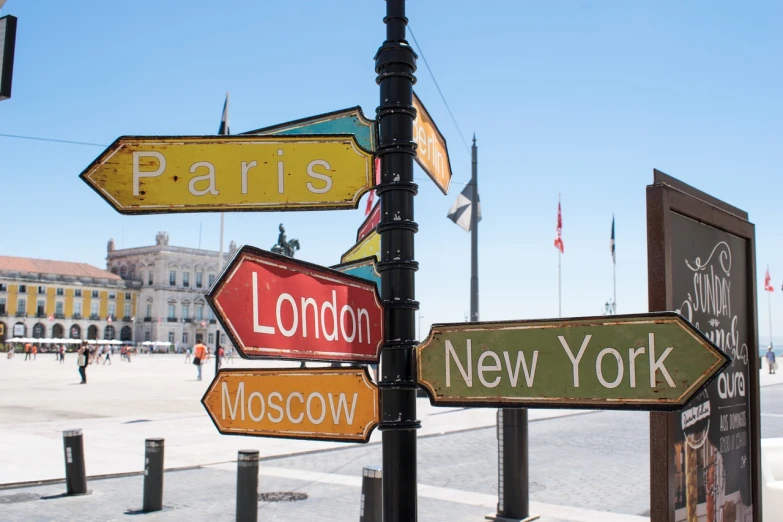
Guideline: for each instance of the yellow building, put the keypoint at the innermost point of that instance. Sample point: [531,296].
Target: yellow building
[60,299]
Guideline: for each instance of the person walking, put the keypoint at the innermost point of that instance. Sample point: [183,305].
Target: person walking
[28,349]
[771,361]
[62,354]
[188,353]
[199,357]
[35,352]
[82,360]
[107,356]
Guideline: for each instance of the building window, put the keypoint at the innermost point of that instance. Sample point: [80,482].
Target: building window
[21,307]
[149,310]
[186,311]
[41,290]
[171,336]
[172,312]
[127,296]
[199,312]
[41,308]
[112,310]
[95,294]
[77,292]
[172,278]
[60,292]
[94,310]
[127,310]
[186,279]
[146,336]
[77,309]
[108,333]
[211,339]
[184,337]
[2,306]
[59,309]
[210,314]
[22,289]
[3,287]
[211,279]
[123,271]
[149,278]
[199,279]
[112,295]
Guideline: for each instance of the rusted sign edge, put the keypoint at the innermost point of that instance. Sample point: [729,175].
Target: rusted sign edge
[299,266]
[357,246]
[445,189]
[721,362]
[333,115]
[352,370]
[368,219]
[250,207]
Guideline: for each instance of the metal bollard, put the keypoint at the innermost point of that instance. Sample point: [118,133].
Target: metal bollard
[247,486]
[75,474]
[372,495]
[153,475]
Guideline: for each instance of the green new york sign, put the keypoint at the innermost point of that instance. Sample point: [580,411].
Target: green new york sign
[647,361]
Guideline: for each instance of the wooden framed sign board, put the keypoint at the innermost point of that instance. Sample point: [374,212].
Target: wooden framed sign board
[705,460]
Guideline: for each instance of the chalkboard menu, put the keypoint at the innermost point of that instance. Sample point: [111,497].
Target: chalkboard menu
[705,458]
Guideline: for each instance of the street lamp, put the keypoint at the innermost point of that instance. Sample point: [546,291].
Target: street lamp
[609,307]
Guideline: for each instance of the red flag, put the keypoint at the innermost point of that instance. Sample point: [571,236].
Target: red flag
[768,282]
[559,236]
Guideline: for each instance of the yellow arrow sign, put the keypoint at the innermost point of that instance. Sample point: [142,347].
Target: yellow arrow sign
[154,175]
[319,404]
[367,247]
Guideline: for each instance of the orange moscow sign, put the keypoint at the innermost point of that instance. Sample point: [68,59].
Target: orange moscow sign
[338,404]
[431,152]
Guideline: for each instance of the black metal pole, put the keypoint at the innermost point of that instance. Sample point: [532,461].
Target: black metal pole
[513,493]
[395,64]
[247,486]
[217,352]
[372,495]
[474,285]
[153,475]
[75,474]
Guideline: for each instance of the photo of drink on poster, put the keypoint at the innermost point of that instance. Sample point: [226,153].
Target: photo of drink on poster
[712,461]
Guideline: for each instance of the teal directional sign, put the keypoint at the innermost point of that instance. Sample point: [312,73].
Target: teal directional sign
[364,268]
[647,362]
[348,121]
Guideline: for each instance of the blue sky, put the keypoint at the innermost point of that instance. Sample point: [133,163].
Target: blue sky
[572,97]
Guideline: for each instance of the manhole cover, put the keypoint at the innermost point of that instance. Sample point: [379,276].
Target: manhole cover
[18,497]
[281,496]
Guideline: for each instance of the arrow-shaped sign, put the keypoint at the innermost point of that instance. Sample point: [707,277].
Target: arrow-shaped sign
[370,223]
[646,362]
[274,306]
[369,246]
[339,404]
[347,121]
[165,174]
[364,268]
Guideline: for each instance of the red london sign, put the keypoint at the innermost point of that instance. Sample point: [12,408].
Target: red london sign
[276,307]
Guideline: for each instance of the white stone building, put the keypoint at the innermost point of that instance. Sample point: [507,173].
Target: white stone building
[171,305]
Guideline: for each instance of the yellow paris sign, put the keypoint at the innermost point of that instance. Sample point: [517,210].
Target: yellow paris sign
[150,175]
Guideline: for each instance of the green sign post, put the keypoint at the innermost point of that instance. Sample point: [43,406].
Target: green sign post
[636,362]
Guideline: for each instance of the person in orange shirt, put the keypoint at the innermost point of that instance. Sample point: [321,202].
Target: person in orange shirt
[199,357]
[35,351]
[28,349]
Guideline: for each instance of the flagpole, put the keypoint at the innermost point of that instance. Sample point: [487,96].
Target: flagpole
[559,261]
[474,286]
[614,285]
[768,287]
[769,307]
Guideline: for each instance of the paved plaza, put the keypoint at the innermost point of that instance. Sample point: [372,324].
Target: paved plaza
[584,465]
